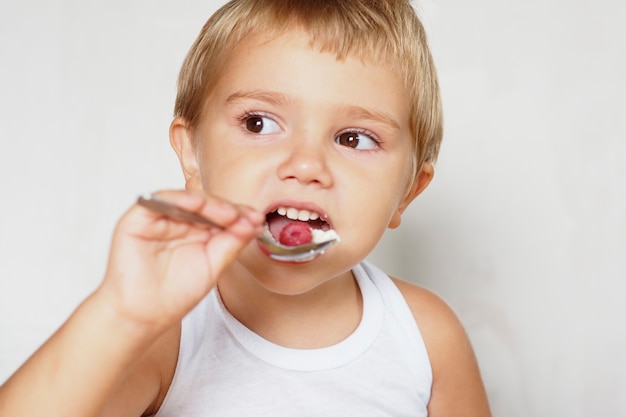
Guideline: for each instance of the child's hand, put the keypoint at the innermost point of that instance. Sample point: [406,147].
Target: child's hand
[159,268]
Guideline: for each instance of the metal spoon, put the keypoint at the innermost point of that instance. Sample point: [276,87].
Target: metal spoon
[300,253]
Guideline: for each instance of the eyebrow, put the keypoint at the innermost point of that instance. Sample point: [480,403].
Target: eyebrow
[358,112]
[270,97]
[277,99]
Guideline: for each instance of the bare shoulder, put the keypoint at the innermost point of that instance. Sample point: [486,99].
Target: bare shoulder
[425,305]
[457,386]
[147,383]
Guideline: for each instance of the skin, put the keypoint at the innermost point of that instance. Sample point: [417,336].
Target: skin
[268,137]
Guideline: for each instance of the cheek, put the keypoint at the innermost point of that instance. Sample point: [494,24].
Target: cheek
[238,178]
[374,199]
[217,171]
[217,177]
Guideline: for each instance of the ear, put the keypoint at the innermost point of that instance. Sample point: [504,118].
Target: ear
[424,176]
[181,140]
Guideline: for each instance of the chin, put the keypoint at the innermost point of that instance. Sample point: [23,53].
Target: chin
[291,278]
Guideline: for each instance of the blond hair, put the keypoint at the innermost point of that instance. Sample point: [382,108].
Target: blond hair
[381,30]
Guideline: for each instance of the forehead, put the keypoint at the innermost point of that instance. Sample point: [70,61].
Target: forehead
[292,65]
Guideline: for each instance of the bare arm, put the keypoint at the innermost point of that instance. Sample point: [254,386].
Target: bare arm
[102,360]
[458,389]
[78,369]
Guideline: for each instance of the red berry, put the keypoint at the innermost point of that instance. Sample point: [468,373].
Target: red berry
[296,233]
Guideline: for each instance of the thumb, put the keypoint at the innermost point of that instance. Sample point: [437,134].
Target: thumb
[224,247]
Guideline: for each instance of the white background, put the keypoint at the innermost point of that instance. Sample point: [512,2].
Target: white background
[522,231]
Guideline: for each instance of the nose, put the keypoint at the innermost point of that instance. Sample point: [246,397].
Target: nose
[306,161]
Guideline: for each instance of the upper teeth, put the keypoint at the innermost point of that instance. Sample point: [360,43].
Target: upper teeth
[295,214]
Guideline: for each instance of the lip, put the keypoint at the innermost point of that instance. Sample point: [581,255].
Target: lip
[300,205]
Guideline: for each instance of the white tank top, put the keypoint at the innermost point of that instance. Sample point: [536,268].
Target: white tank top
[226,370]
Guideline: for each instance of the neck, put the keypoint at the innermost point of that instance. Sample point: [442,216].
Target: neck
[318,317]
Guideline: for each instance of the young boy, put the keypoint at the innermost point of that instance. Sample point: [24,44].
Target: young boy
[289,112]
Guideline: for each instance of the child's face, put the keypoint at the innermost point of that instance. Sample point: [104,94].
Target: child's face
[289,126]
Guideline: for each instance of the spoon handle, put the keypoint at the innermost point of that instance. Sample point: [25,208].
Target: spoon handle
[160,206]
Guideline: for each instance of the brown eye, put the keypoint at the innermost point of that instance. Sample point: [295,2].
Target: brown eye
[255,124]
[349,139]
[361,140]
[260,125]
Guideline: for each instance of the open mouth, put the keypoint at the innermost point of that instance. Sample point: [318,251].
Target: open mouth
[292,227]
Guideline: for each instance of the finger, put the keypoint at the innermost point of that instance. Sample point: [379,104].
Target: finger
[255,217]
[213,208]
[225,246]
[169,210]
[157,224]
